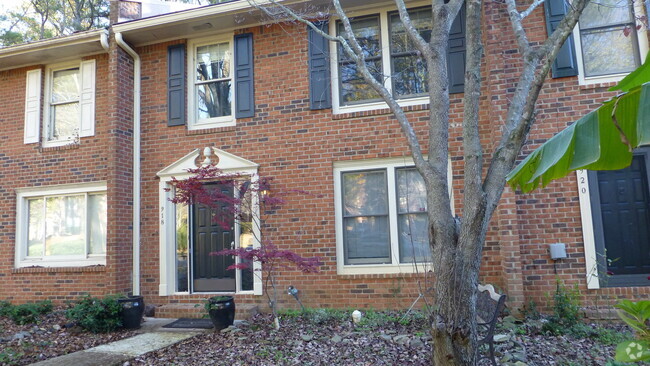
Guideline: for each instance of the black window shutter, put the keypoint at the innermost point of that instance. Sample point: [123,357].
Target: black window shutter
[176,85]
[456,54]
[565,63]
[320,95]
[244,91]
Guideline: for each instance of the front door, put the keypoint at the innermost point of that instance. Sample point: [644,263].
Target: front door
[213,230]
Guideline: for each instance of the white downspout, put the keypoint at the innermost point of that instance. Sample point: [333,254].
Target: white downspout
[136,161]
[103,40]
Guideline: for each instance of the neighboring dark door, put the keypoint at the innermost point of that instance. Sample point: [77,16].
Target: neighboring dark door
[209,273]
[622,222]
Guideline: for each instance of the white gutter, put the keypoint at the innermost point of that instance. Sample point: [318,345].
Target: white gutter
[103,40]
[136,161]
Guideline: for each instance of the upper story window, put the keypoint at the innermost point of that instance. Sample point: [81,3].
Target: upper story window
[393,60]
[218,81]
[213,83]
[64,117]
[68,111]
[611,23]
[61,226]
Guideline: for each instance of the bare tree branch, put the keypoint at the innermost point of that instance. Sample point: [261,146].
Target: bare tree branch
[518,28]
[531,8]
[521,111]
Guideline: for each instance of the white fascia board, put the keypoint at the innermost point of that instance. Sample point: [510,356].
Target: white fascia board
[48,50]
[187,15]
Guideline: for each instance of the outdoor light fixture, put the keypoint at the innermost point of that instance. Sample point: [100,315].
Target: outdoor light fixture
[294,292]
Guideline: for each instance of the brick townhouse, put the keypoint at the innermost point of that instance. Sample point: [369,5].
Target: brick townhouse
[95,125]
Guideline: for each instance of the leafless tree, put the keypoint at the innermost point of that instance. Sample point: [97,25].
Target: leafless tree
[457,241]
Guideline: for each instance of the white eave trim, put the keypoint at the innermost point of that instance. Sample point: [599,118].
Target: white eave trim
[24,54]
[187,15]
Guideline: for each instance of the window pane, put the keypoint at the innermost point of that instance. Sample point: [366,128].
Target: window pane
[97,221]
[409,71]
[365,193]
[413,238]
[606,12]
[353,86]
[182,240]
[214,99]
[617,57]
[65,232]
[409,76]
[411,191]
[399,39]
[65,123]
[65,85]
[35,228]
[213,62]
[366,30]
[366,240]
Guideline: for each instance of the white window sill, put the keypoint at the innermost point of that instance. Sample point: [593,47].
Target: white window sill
[57,143]
[603,79]
[94,261]
[383,268]
[212,123]
[379,105]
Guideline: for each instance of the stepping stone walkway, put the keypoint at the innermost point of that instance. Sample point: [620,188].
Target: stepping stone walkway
[116,353]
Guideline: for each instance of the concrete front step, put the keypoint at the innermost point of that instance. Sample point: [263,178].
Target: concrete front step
[243,311]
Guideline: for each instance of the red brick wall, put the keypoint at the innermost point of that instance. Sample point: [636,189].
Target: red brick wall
[298,147]
[23,166]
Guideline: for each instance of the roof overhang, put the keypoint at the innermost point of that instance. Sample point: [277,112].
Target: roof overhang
[52,50]
[198,21]
[214,18]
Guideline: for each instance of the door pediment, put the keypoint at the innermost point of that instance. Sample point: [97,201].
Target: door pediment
[227,162]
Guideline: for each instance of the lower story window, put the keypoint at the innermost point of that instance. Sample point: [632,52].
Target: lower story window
[382,215]
[62,226]
[620,205]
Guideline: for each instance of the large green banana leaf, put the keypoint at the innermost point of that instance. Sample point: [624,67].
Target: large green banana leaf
[594,141]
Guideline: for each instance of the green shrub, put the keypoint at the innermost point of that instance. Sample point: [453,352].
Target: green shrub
[98,315]
[5,308]
[27,313]
[9,356]
[566,310]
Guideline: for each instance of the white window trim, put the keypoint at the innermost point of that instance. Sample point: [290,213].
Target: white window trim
[228,163]
[22,220]
[642,38]
[395,267]
[337,108]
[47,117]
[193,122]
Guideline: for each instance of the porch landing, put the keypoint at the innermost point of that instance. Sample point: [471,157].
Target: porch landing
[243,311]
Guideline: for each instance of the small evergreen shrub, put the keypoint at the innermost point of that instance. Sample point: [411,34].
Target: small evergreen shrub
[97,315]
[5,308]
[566,310]
[27,313]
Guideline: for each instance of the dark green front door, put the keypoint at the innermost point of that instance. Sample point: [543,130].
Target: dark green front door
[212,232]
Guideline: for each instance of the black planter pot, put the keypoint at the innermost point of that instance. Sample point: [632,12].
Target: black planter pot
[222,311]
[132,309]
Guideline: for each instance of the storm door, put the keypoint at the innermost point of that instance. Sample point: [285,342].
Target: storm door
[212,231]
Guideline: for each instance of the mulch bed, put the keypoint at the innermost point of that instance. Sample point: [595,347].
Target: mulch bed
[53,336]
[335,342]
